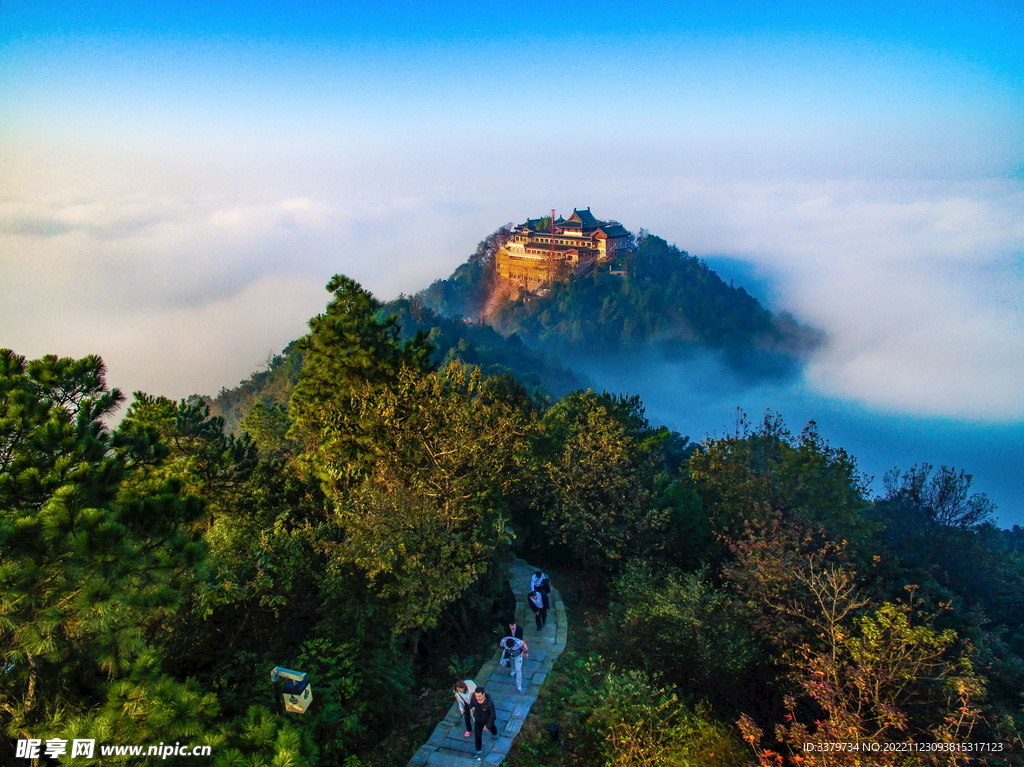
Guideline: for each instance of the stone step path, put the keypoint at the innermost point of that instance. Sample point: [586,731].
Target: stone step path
[447,747]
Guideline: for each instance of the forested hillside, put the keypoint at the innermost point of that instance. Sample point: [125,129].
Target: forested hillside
[753,596]
[653,296]
[659,297]
[450,339]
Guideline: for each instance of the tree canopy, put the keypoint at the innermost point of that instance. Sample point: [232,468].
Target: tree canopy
[742,596]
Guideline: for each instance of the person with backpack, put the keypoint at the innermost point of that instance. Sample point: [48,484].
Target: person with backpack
[515,650]
[464,689]
[516,632]
[539,582]
[485,716]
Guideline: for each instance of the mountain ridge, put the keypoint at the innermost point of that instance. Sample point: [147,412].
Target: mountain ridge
[652,296]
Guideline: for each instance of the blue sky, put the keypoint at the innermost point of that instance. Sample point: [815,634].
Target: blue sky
[265,71]
[177,183]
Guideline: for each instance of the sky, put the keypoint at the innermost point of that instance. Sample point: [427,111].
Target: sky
[177,184]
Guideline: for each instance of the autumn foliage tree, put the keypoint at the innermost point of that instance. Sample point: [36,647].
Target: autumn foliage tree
[874,672]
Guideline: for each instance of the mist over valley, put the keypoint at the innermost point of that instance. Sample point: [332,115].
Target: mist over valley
[700,398]
[698,391]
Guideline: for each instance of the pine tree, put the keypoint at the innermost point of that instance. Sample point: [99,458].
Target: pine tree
[194,448]
[348,349]
[89,564]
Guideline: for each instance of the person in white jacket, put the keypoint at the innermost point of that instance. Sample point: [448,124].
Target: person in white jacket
[464,689]
[539,582]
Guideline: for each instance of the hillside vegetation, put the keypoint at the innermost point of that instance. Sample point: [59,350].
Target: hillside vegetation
[450,339]
[660,298]
[754,596]
[654,296]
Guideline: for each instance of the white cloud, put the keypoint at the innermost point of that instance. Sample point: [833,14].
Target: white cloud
[183,277]
[920,286]
[183,281]
[181,350]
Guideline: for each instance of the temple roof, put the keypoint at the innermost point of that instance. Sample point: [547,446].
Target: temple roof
[533,223]
[582,221]
[586,218]
[614,230]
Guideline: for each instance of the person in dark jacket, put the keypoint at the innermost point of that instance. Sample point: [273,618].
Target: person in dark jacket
[508,603]
[485,716]
[515,630]
[539,604]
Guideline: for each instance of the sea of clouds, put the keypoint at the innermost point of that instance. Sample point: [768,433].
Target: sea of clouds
[185,274]
[918,284]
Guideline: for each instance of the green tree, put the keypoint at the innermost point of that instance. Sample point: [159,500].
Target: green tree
[417,464]
[942,500]
[98,557]
[681,629]
[602,463]
[433,510]
[259,739]
[268,427]
[196,451]
[931,519]
[347,350]
[91,565]
[631,721]
[748,475]
[280,589]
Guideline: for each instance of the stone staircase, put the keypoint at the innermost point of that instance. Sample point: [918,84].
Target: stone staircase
[447,747]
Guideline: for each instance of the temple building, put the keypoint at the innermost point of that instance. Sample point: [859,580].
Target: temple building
[540,251]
